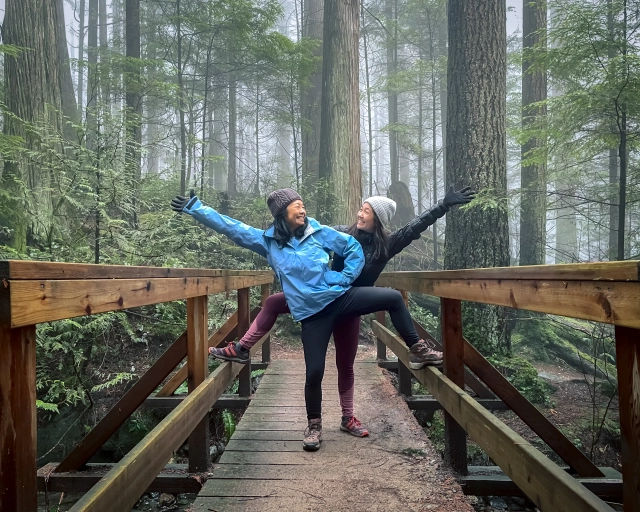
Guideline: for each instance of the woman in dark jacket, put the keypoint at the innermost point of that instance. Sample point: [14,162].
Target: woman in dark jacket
[379,247]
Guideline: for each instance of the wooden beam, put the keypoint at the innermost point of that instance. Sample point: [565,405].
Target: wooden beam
[244,384]
[455,438]
[502,485]
[528,413]
[602,271]
[601,301]
[197,371]
[228,332]
[171,402]
[628,365]
[469,378]
[43,270]
[381,348]
[121,488]
[18,486]
[126,406]
[265,292]
[178,481]
[34,302]
[426,403]
[534,473]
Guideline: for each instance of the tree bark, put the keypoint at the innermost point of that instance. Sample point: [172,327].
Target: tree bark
[83,9]
[533,185]
[392,96]
[312,27]
[476,154]
[68,97]
[369,107]
[133,99]
[92,73]
[33,95]
[340,165]
[104,52]
[232,178]
[183,129]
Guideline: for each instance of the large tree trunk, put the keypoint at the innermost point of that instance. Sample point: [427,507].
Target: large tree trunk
[613,155]
[216,148]
[32,95]
[133,100]
[533,203]
[311,102]
[68,95]
[476,154]
[392,97]
[183,129]
[83,9]
[92,73]
[369,106]
[340,165]
[232,177]
[104,52]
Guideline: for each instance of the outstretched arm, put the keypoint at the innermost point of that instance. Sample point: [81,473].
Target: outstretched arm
[401,238]
[242,234]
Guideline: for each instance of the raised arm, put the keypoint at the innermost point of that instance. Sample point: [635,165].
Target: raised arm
[400,239]
[350,249]
[242,234]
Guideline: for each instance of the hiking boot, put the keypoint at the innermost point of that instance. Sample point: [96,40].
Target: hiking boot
[232,352]
[313,435]
[423,354]
[352,425]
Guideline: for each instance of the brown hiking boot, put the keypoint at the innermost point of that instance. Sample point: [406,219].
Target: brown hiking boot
[423,354]
[313,435]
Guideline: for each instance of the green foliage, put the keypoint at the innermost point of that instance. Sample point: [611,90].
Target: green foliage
[229,423]
[524,377]
[425,318]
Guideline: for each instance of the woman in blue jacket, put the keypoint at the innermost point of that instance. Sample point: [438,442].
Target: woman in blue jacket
[296,247]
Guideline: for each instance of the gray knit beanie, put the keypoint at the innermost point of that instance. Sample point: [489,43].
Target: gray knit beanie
[278,200]
[384,207]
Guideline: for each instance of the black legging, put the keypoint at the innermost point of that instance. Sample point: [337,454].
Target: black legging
[316,331]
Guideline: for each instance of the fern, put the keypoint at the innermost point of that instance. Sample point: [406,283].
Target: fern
[229,424]
[46,406]
[118,379]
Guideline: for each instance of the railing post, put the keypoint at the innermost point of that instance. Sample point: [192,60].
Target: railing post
[18,479]
[404,374]
[455,438]
[266,346]
[628,359]
[197,370]
[382,348]
[244,320]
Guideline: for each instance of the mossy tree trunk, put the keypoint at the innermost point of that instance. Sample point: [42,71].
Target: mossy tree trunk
[476,154]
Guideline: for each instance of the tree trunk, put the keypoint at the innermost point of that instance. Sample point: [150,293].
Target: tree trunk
[32,95]
[183,129]
[311,100]
[442,47]
[68,97]
[392,96]
[133,100]
[340,165]
[83,9]
[104,51]
[623,152]
[217,148]
[232,177]
[92,74]
[533,204]
[369,107]
[476,154]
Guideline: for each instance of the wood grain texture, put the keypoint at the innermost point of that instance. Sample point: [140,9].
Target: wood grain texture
[18,486]
[244,383]
[628,359]
[34,302]
[45,270]
[601,301]
[534,473]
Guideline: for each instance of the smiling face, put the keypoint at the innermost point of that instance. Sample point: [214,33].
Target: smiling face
[366,218]
[295,215]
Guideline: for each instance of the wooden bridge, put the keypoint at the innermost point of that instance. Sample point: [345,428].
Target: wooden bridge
[264,451]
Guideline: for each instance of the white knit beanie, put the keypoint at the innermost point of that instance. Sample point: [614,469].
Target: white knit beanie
[384,207]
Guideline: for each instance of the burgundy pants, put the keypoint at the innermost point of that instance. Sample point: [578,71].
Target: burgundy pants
[345,337]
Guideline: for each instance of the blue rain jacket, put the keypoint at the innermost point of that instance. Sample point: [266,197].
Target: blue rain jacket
[308,283]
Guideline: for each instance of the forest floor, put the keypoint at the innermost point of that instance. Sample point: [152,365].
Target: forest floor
[571,409]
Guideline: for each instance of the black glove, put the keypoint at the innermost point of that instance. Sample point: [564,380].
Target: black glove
[464,196]
[179,203]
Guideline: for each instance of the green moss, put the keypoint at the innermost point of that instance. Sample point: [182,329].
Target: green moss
[524,377]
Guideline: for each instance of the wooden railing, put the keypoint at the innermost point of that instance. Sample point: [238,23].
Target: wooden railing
[601,292]
[35,292]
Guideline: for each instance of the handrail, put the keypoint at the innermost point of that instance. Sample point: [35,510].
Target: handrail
[33,292]
[573,291]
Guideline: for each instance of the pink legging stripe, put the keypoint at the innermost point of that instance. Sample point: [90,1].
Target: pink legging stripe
[345,337]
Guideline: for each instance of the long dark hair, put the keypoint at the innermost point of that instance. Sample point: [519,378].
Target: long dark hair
[282,232]
[380,238]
